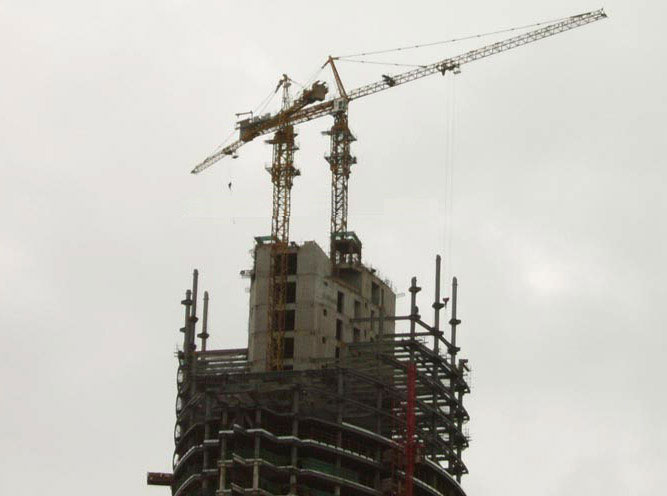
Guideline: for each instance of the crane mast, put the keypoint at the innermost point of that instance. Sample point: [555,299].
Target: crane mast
[282,177]
[344,247]
[312,104]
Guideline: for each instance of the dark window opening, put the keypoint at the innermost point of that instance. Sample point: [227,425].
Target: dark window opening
[291,264]
[372,320]
[288,348]
[337,352]
[339,303]
[324,312]
[375,293]
[356,336]
[339,329]
[290,316]
[357,309]
[290,297]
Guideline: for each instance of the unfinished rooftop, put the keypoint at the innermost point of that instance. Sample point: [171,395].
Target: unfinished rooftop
[368,402]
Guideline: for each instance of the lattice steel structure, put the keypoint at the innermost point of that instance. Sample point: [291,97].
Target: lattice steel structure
[310,110]
[340,162]
[282,177]
[384,418]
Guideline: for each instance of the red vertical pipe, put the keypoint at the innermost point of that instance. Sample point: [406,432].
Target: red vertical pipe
[410,434]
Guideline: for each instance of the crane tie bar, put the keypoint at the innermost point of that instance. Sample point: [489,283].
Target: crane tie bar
[452,40]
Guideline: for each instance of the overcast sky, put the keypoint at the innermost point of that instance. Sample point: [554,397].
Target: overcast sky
[557,229]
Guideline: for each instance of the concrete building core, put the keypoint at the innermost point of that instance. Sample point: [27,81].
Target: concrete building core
[319,325]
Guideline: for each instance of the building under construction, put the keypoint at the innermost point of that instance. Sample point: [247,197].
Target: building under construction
[366,403]
[334,394]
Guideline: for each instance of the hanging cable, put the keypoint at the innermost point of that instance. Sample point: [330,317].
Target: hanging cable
[260,108]
[452,170]
[445,179]
[382,63]
[448,173]
[311,79]
[451,40]
[295,81]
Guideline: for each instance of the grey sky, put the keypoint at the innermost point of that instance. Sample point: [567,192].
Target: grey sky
[558,222]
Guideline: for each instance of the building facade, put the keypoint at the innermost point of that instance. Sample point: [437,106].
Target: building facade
[321,308]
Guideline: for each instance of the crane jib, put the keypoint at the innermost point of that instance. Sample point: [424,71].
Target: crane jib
[306,110]
[478,53]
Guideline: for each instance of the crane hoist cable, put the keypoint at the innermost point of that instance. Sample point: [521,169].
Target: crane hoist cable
[450,169]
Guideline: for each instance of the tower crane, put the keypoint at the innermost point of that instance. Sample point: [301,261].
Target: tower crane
[311,104]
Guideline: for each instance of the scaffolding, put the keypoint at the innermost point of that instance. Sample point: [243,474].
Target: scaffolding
[384,418]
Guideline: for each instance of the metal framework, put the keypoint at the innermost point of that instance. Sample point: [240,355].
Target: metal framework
[409,446]
[330,106]
[282,177]
[331,431]
[340,162]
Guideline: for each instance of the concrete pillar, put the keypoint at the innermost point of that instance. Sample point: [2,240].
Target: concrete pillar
[257,440]
[339,421]
[222,482]
[295,433]
[207,433]
[378,430]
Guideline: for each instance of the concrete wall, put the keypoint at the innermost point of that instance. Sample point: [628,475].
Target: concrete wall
[316,307]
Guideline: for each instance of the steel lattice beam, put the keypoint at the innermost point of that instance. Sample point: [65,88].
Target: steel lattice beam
[328,107]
